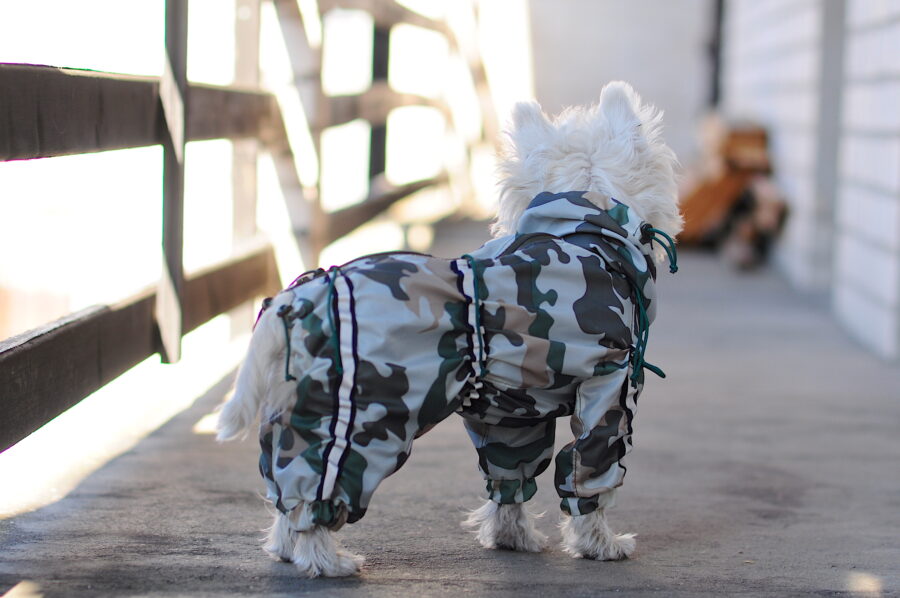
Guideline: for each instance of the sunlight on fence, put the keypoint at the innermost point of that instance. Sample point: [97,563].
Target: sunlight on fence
[52,461]
[86,229]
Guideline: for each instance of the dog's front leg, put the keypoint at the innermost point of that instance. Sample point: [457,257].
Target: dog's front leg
[589,469]
[509,527]
[315,552]
[280,539]
[589,536]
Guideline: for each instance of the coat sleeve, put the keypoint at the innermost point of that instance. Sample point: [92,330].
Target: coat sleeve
[589,469]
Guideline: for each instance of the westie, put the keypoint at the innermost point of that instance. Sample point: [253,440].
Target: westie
[349,365]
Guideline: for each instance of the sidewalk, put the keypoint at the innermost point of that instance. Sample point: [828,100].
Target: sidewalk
[765,465]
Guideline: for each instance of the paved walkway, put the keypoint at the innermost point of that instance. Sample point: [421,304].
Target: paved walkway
[765,465]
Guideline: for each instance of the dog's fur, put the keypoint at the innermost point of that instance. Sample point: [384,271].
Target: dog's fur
[612,148]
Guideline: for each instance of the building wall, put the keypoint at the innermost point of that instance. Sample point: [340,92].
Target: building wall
[657,45]
[867,261]
[771,74]
[824,77]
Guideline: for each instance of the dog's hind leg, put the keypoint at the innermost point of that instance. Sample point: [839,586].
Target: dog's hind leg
[280,539]
[589,536]
[510,458]
[316,552]
[509,527]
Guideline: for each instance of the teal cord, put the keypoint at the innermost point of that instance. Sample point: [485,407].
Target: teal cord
[284,312]
[335,340]
[643,323]
[640,347]
[638,364]
[643,320]
[476,290]
[668,245]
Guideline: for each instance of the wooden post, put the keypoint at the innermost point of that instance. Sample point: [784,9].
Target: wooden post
[244,153]
[173,98]
[301,29]
[380,59]
[246,74]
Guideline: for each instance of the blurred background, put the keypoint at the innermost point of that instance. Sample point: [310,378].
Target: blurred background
[785,115]
[817,81]
[381,135]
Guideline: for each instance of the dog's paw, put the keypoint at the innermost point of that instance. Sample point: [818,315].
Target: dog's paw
[589,537]
[617,548]
[523,540]
[280,539]
[506,527]
[344,564]
[317,553]
[337,564]
[279,551]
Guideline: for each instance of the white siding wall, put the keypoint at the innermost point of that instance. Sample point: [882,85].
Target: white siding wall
[867,252]
[824,77]
[772,63]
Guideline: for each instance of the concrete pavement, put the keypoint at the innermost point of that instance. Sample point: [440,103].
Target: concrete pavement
[767,464]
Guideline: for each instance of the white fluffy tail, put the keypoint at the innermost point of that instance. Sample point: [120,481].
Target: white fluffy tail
[260,381]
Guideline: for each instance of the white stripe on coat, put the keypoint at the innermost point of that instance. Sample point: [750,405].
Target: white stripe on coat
[345,390]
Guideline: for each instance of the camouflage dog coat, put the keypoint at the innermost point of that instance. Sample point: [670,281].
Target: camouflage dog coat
[549,322]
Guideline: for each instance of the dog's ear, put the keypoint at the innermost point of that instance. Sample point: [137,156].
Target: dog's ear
[530,129]
[523,163]
[621,108]
[633,144]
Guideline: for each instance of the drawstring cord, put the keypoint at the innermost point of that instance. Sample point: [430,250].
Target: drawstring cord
[284,312]
[476,291]
[643,321]
[667,243]
[643,335]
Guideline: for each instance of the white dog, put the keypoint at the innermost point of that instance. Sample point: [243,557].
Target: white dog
[347,366]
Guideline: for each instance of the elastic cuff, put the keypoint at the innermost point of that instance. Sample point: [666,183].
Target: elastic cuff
[508,492]
[328,514]
[582,506]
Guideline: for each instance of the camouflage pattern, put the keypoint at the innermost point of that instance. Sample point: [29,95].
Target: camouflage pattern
[526,329]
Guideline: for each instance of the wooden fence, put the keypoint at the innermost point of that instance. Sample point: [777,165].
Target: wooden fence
[50,111]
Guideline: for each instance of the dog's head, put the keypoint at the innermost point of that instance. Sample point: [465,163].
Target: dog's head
[612,148]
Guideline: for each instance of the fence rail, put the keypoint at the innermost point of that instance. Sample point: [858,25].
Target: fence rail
[56,112]
[45,371]
[50,111]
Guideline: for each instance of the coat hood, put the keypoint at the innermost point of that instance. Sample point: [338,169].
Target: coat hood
[587,214]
